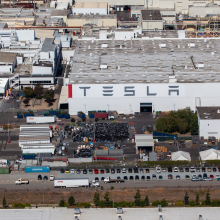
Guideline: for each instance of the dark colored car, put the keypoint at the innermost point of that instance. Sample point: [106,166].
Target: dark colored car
[118,177]
[187,177]
[135,170]
[142,177]
[200,176]
[78,171]
[118,170]
[170,170]
[197,169]
[39,177]
[102,171]
[181,169]
[136,177]
[147,171]
[148,177]
[96,179]
[85,171]
[112,170]
[214,169]
[107,170]
[129,170]
[170,176]
[186,169]
[178,177]
[160,177]
[62,171]
[125,178]
[205,175]
[154,177]
[131,178]
[203,169]
[90,171]
[45,178]
[102,179]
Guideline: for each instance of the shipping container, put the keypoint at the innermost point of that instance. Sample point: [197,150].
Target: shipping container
[40,119]
[68,183]
[28,156]
[40,169]
[4,170]
[101,115]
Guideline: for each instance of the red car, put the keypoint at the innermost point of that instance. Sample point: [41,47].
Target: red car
[211,176]
[102,171]
[96,171]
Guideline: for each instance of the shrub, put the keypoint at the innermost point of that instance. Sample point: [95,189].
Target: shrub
[112,187]
[27,205]
[101,187]
[18,205]
[156,203]
[215,202]
[179,203]
[62,203]
[102,204]
[163,203]
[192,203]
[142,203]
[83,205]
[38,97]
[71,200]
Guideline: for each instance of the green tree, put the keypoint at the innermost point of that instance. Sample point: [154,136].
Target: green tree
[106,197]
[26,101]
[208,198]
[4,202]
[49,96]
[194,127]
[163,203]
[38,90]
[28,92]
[62,203]
[137,198]
[96,198]
[197,199]
[146,200]
[71,201]
[186,198]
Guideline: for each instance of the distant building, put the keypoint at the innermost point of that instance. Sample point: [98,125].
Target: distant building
[8,62]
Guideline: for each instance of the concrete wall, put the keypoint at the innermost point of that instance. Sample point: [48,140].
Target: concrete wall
[160,95]
[24,35]
[101,11]
[209,128]
[102,22]
[42,70]
[152,25]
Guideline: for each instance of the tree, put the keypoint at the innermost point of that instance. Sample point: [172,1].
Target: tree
[106,197]
[38,90]
[197,199]
[194,127]
[71,201]
[146,200]
[62,203]
[4,202]
[137,198]
[96,198]
[49,96]
[26,101]
[208,199]
[186,198]
[28,92]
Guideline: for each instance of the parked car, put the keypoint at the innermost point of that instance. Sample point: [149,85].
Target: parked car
[170,170]
[178,177]
[72,171]
[211,176]
[129,170]
[175,169]
[218,179]
[135,170]
[118,177]
[142,177]
[78,171]
[148,177]
[164,169]
[209,169]
[125,178]
[62,170]
[107,171]
[186,169]
[203,169]
[67,170]
[218,169]
[170,176]
[200,176]
[187,177]
[207,179]
[124,170]
[196,179]
[214,169]
[45,178]
[192,169]
[205,175]
[96,171]
[102,178]
[147,170]
[131,178]
[102,171]
[181,169]
[154,177]
[197,169]
[39,177]
[160,177]
[85,171]
[90,171]
[136,177]
[96,179]
[52,177]
[141,171]
[112,171]
[118,170]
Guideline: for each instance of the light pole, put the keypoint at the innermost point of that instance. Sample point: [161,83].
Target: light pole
[43,199]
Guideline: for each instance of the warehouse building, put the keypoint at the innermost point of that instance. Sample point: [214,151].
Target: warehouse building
[143,75]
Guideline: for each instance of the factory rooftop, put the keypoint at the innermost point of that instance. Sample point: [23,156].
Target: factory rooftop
[151,15]
[90,5]
[209,112]
[111,214]
[146,61]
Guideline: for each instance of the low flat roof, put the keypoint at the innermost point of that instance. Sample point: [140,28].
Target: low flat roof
[90,5]
[7,57]
[148,15]
[3,82]
[64,12]
[209,112]
[109,16]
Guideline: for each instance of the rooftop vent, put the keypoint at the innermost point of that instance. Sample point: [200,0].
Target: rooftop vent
[159,208]
[119,211]
[77,211]
[162,45]
[104,45]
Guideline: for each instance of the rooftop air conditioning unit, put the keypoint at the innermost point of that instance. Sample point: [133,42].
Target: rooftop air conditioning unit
[191,45]
[159,208]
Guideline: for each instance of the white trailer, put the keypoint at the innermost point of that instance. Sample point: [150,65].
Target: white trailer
[33,127]
[68,183]
[40,119]
[34,141]
[33,133]
[36,145]
[37,150]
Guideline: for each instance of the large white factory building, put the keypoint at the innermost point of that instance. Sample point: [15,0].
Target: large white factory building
[142,75]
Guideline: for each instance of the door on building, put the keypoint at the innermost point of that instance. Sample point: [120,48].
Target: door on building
[146,107]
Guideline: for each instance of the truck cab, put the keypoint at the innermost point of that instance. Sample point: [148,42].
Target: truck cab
[95,184]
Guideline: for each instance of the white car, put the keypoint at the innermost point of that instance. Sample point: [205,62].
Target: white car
[72,171]
[124,170]
[52,177]
[158,169]
[175,169]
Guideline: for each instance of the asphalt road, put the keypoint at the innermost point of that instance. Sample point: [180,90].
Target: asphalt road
[8,181]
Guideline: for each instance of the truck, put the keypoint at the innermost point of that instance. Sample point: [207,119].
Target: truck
[22,181]
[94,184]
[109,180]
[71,183]
[40,119]
[104,115]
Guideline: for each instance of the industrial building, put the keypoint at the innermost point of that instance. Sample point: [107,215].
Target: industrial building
[208,121]
[143,75]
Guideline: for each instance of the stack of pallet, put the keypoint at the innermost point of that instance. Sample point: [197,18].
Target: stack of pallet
[160,149]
